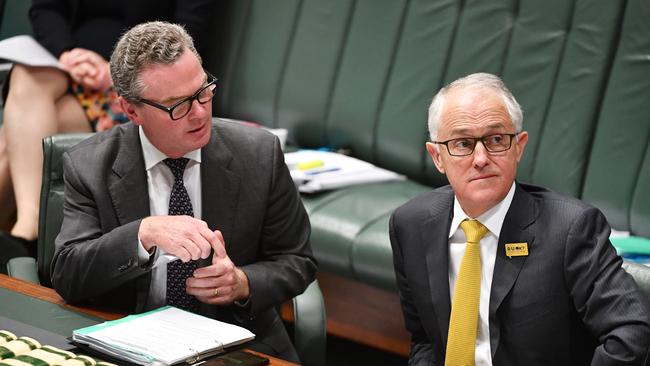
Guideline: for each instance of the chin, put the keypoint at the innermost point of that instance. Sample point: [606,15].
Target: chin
[201,137]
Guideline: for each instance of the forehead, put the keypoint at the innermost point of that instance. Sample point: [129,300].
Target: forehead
[474,109]
[177,79]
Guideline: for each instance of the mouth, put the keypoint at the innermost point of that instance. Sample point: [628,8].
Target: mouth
[483,177]
[198,129]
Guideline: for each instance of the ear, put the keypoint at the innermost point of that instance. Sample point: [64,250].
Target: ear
[520,144]
[130,111]
[435,156]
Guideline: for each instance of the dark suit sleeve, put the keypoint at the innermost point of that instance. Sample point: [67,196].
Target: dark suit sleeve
[51,26]
[421,351]
[88,262]
[606,297]
[285,264]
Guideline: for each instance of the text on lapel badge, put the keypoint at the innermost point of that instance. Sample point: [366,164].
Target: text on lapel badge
[516,250]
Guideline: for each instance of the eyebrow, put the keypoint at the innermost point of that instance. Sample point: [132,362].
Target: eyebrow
[172,100]
[465,131]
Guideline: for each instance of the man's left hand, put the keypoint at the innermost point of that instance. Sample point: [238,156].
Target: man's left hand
[220,283]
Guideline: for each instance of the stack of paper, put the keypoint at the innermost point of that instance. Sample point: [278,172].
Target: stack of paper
[164,336]
[314,170]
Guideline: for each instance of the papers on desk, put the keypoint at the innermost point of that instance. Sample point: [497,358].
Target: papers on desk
[165,336]
[25,50]
[314,171]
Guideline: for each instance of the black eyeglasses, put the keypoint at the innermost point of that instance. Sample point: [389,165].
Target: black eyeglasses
[464,146]
[181,108]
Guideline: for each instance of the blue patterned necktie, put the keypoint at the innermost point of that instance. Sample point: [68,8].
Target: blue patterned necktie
[177,271]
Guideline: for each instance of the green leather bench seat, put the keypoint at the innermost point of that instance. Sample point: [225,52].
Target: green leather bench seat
[360,75]
[349,226]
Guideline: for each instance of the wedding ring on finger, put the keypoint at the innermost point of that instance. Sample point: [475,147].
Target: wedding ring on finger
[216,291]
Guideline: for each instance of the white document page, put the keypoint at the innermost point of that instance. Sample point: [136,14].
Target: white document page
[168,335]
[314,170]
[25,50]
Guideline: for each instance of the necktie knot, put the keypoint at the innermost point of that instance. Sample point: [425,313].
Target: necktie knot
[474,230]
[177,166]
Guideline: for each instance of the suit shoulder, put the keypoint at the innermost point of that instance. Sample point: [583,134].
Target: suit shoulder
[548,196]
[558,205]
[432,203]
[238,132]
[102,141]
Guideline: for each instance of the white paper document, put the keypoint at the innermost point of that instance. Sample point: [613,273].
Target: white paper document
[314,170]
[25,50]
[164,336]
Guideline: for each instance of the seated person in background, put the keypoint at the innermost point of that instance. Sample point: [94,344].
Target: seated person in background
[46,101]
[218,196]
[494,272]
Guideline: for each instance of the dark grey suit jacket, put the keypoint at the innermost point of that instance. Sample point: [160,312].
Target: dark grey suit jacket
[568,302]
[247,193]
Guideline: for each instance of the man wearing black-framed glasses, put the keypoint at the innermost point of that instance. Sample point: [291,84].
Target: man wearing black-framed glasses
[216,195]
[496,272]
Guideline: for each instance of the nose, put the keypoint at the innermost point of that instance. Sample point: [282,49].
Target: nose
[480,155]
[199,109]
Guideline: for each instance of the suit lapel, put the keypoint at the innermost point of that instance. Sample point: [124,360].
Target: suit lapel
[520,216]
[435,232]
[219,186]
[128,185]
[129,193]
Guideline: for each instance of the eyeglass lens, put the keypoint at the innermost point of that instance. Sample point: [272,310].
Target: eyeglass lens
[203,96]
[492,143]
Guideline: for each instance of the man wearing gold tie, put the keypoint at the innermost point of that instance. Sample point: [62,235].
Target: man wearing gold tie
[495,272]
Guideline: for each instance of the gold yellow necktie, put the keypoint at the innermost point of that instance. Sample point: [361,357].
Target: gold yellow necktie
[463,324]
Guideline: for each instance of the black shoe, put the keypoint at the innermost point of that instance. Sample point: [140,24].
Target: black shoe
[13,246]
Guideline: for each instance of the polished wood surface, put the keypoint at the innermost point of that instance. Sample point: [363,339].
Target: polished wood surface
[361,313]
[49,295]
[364,314]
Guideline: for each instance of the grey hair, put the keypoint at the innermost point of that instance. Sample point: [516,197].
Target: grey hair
[143,45]
[480,81]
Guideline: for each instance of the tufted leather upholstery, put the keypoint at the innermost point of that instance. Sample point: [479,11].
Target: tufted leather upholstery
[360,75]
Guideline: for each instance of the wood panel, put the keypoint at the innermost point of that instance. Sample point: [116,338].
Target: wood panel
[361,313]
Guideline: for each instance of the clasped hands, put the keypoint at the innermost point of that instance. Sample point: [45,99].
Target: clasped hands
[220,283]
[87,68]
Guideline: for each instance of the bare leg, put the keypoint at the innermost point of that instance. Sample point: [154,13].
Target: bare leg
[31,113]
[7,203]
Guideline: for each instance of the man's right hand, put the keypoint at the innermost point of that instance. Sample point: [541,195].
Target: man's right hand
[182,236]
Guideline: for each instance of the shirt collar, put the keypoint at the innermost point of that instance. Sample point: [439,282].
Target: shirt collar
[492,218]
[153,156]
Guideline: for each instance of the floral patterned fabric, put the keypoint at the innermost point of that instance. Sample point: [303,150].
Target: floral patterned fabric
[101,107]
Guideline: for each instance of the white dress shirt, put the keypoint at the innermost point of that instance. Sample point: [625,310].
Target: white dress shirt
[493,220]
[160,181]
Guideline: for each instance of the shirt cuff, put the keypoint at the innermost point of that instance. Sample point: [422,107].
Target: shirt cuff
[144,257]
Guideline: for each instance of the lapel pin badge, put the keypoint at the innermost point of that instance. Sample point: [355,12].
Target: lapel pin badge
[516,250]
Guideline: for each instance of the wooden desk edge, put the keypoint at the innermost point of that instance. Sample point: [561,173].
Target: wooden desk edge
[49,295]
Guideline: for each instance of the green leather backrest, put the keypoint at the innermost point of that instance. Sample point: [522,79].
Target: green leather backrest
[51,205]
[14,19]
[360,74]
[618,176]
